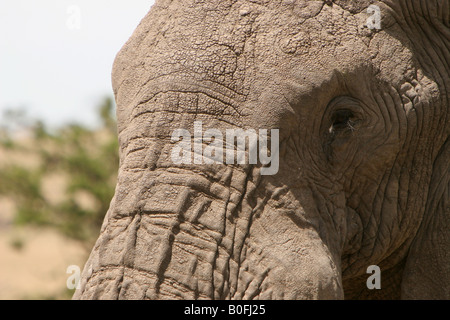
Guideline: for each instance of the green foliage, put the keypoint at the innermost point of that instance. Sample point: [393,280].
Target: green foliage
[86,158]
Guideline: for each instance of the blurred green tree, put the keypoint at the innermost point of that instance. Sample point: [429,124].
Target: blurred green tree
[86,158]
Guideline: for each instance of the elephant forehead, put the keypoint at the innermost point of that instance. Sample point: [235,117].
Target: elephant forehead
[241,49]
[216,39]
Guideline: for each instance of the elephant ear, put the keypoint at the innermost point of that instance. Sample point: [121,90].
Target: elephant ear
[427,271]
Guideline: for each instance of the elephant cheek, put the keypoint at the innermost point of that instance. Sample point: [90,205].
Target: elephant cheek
[296,261]
[314,276]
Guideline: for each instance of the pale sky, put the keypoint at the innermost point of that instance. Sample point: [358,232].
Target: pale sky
[56,55]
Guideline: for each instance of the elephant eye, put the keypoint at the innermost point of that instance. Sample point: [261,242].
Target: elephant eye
[342,120]
[344,117]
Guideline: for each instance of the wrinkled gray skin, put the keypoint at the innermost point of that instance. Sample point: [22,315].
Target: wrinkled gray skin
[364,154]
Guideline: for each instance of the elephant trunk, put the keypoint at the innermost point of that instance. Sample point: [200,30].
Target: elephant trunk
[170,242]
[200,231]
[208,231]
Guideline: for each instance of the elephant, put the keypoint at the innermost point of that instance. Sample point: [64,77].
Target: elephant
[358,94]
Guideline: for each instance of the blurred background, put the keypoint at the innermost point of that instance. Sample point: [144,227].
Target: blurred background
[58,143]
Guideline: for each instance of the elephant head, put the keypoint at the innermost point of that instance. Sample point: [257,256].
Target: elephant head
[362,113]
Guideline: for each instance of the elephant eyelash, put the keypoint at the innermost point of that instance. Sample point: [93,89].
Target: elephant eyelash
[342,120]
